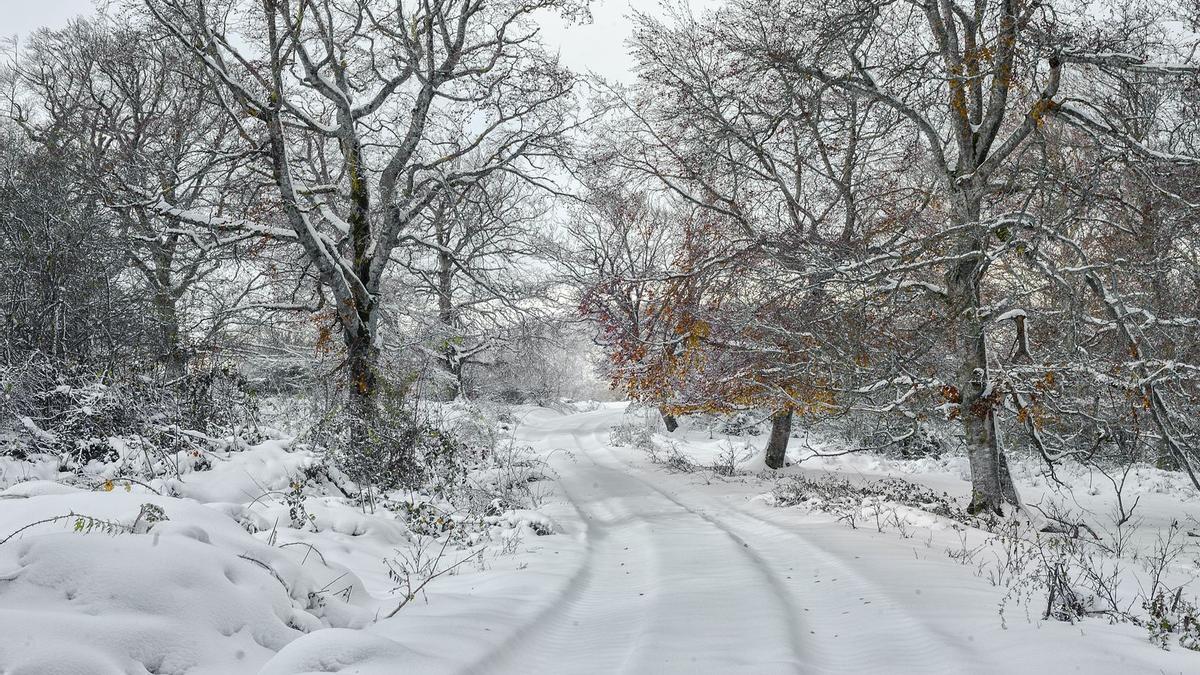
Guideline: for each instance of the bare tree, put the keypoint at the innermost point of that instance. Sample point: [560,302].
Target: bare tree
[145,134]
[365,110]
[979,87]
[479,256]
[619,258]
[775,172]
[63,292]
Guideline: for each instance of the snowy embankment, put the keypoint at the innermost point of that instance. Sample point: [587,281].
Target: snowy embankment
[648,569]
[980,592]
[249,560]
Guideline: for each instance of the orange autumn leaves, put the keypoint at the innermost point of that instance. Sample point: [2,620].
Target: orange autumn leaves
[699,343]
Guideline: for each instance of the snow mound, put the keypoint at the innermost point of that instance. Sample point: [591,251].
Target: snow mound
[343,651]
[534,522]
[36,488]
[15,471]
[194,593]
[248,475]
[166,603]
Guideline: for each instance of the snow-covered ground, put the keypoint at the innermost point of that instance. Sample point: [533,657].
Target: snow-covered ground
[648,571]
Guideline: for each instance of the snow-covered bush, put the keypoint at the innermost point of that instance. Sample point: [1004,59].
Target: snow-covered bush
[839,496]
[924,441]
[637,430]
[1173,619]
[672,457]
[424,517]
[510,478]
[404,452]
[727,462]
[633,435]
[500,474]
[480,426]
[398,448]
[1052,564]
[741,424]
[219,400]
[887,435]
[82,416]
[444,470]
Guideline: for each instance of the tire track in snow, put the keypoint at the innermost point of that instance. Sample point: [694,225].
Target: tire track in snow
[580,601]
[662,589]
[952,656]
[798,647]
[881,632]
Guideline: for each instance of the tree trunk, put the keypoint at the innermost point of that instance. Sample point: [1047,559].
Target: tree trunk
[451,360]
[669,420]
[362,362]
[161,274]
[781,431]
[1007,487]
[171,349]
[991,483]
[979,427]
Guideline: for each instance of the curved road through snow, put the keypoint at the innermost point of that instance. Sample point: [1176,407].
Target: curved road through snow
[675,583]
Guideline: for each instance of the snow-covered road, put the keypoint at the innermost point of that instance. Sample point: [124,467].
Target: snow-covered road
[679,576]
[662,585]
[673,583]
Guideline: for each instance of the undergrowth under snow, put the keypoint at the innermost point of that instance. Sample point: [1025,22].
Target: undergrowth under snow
[215,561]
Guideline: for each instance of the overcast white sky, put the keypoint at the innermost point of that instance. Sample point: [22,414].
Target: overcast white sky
[19,17]
[599,46]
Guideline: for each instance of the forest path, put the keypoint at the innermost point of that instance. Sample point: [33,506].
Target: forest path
[673,581]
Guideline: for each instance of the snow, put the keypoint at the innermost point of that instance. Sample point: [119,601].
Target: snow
[341,651]
[194,593]
[1011,314]
[646,570]
[37,432]
[244,477]
[690,572]
[191,595]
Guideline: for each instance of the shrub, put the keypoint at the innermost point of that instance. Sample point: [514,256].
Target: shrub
[1175,618]
[740,424]
[83,416]
[402,452]
[837,495]
[632,435]
[672,458]
[726,463]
